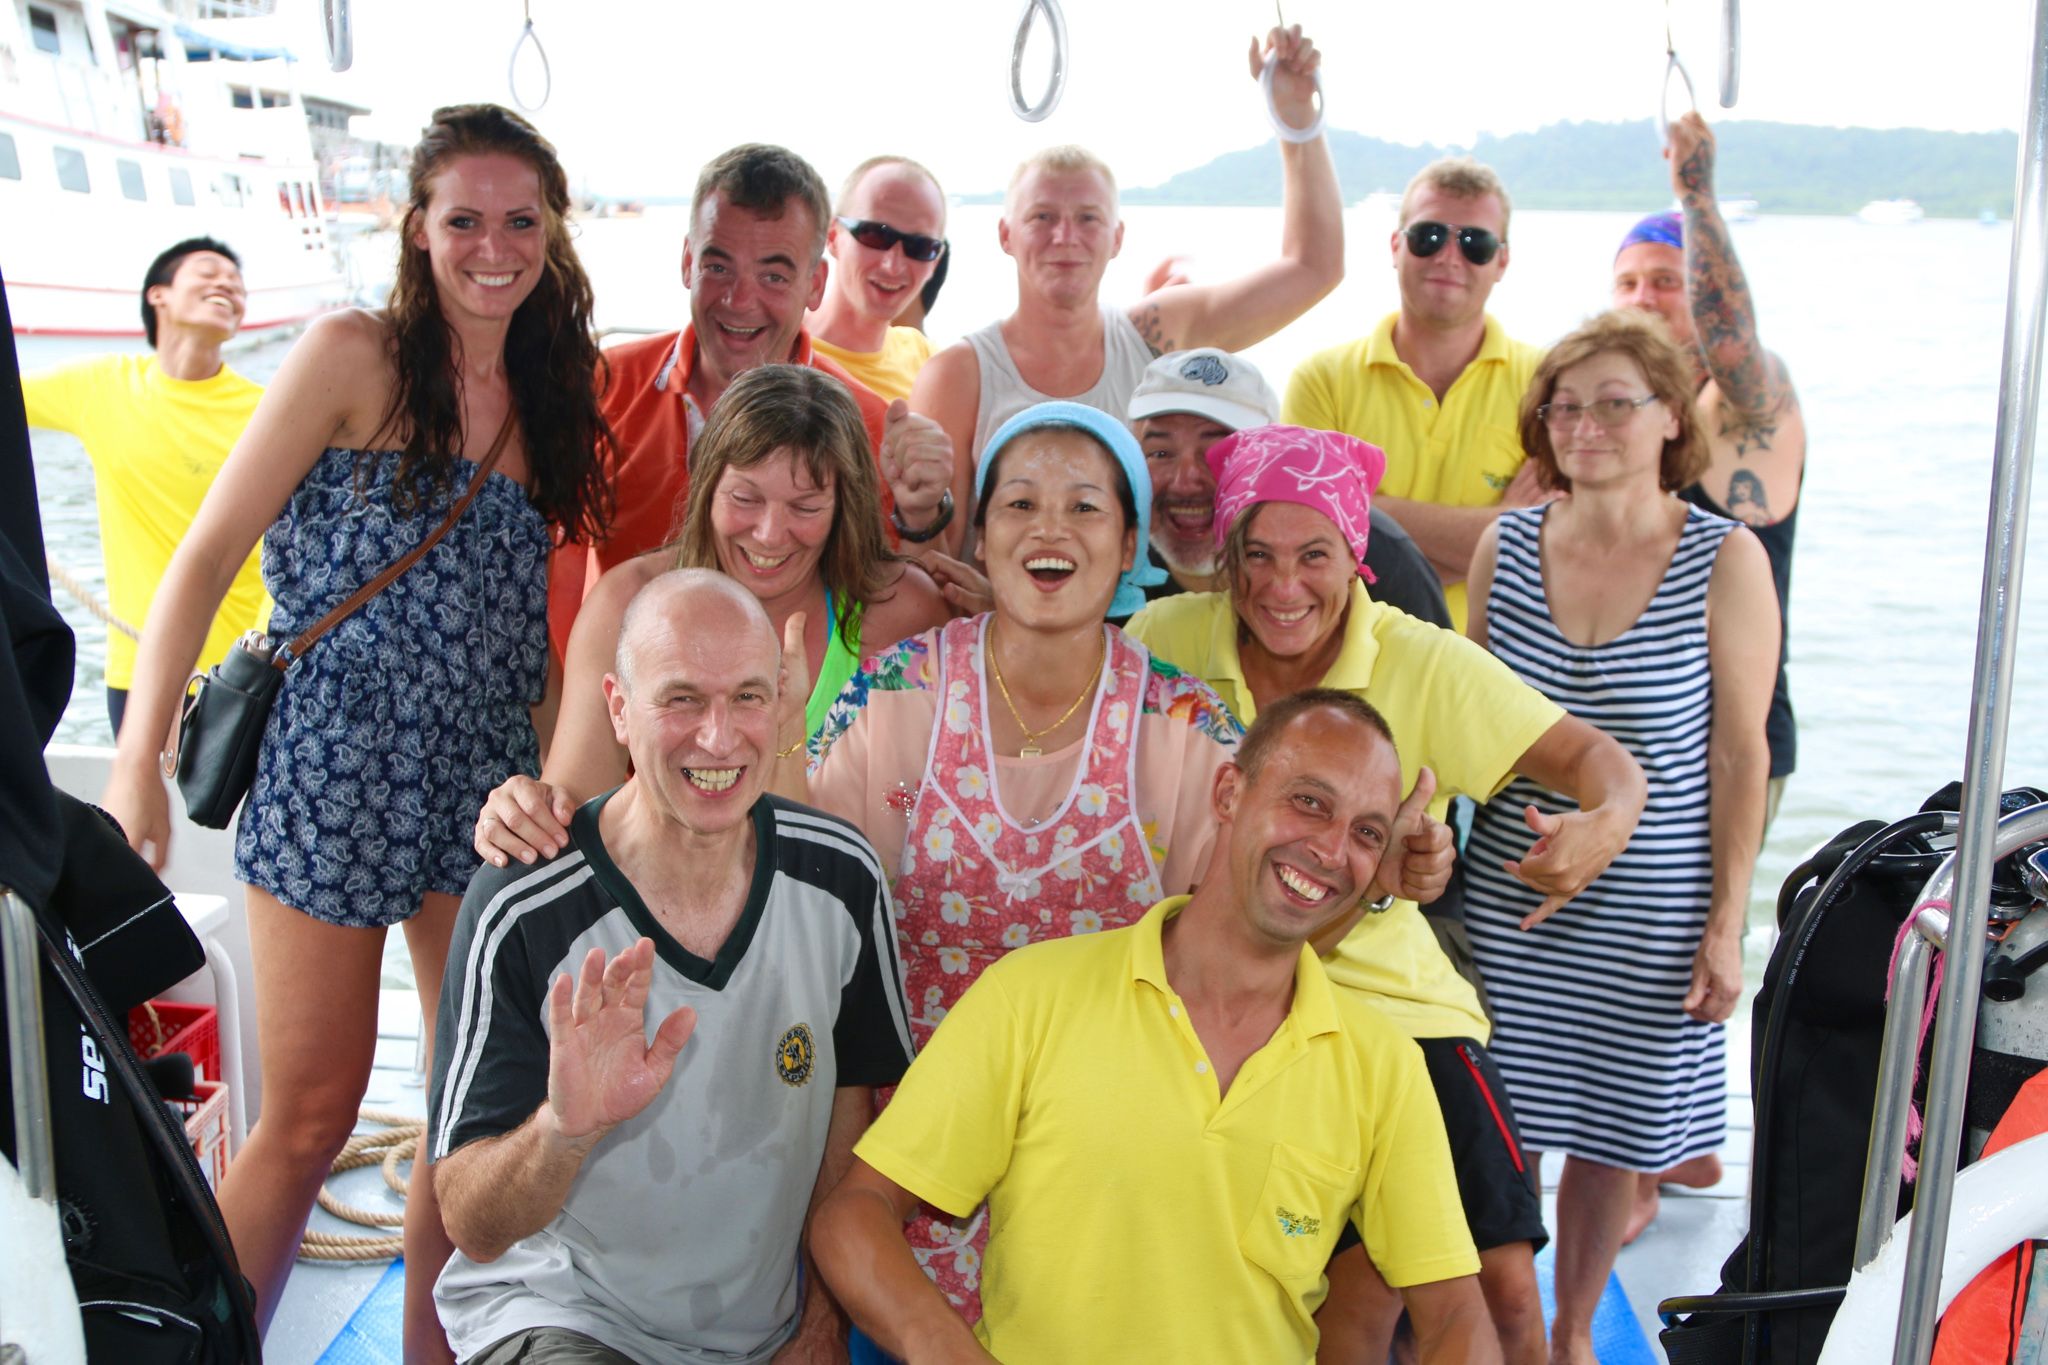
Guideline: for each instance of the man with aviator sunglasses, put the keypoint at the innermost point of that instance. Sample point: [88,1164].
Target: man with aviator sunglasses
[887,237]
[1437,383]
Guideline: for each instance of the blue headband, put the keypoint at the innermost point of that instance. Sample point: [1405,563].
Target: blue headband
[1143,573]
[1664,229]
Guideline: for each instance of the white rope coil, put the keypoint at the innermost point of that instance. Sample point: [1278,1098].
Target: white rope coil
[1057,84]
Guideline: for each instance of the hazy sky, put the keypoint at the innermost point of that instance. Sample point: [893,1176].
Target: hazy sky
[645,90]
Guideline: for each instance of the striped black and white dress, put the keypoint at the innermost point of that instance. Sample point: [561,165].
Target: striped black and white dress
[1599,1058]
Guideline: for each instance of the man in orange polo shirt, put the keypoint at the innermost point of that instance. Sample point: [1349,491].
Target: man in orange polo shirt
[754,260]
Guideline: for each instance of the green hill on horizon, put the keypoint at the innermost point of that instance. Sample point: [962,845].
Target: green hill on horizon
[1785,167]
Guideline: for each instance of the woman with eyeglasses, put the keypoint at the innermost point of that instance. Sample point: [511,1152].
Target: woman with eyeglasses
[1657,622]
[784,498]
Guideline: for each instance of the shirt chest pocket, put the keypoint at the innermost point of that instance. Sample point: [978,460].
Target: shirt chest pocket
[1492,462]
[1293,1224]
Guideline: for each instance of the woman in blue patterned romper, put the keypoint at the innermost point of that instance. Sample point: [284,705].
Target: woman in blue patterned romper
[1658,623]
[389,733]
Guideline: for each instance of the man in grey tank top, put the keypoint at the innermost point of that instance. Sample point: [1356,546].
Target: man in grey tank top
[1060,224]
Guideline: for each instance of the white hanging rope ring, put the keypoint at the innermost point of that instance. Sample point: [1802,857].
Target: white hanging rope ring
[547,77]
[1731,51]
[1664,104]
[1288,132]
[1057,22]
[339,33]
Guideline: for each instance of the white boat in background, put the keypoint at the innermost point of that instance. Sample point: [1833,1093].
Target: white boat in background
[1887,212]
[1738,210]
[127,125]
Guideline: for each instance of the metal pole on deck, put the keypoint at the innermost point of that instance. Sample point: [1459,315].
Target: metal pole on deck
[1991,692]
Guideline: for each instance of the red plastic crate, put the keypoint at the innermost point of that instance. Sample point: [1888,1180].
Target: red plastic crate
[162,1026]
[206,1127]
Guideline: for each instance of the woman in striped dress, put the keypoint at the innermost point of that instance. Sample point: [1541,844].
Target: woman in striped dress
[1656,622]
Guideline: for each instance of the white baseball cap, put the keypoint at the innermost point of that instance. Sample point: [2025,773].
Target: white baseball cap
[1223,387]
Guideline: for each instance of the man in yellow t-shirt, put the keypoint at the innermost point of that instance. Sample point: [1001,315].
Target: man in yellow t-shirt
[1438,384]
[157,429]
[1173,1123]
[887,237]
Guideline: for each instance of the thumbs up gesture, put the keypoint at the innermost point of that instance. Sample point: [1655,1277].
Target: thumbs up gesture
[917,461]
[1417,863]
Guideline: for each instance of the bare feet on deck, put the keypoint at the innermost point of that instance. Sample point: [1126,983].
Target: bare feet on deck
[1697,1173]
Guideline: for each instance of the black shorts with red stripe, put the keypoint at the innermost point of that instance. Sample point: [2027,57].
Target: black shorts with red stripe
[1500,1189]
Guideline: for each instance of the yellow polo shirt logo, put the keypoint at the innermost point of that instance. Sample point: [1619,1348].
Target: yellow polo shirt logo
[1295,1225]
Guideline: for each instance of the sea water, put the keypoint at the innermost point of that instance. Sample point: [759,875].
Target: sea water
[1893,336]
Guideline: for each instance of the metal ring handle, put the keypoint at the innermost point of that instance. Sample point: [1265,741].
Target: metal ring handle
[1731,51]
[339,33]
[1057,86]
[547,76]
[1664,102]
[1286,131]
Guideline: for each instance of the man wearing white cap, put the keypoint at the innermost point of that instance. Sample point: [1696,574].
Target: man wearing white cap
[1186,402]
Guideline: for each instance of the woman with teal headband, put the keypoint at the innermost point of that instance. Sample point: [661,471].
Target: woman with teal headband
[1031,772]
[784,498]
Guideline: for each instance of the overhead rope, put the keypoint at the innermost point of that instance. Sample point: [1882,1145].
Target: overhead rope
[1057,84]
[547,76]
[338,34]
[396,1142]
[1671,64]
[1731,51]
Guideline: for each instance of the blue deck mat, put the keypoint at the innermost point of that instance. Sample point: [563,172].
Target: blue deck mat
[1617,1336]
[375,1332]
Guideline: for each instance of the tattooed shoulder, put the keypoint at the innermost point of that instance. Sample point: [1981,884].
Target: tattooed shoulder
[1145,317]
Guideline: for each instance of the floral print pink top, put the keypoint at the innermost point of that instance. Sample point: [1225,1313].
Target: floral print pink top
[989,852]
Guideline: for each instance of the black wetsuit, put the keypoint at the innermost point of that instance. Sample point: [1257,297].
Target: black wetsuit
[1779,727]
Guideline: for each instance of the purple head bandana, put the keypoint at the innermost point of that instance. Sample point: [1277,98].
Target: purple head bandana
[1328,471]
[1665,229]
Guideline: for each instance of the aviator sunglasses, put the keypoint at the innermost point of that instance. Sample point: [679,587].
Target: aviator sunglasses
[880,236]
[1427,238]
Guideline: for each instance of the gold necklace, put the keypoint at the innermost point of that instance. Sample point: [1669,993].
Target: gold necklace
[1031,738]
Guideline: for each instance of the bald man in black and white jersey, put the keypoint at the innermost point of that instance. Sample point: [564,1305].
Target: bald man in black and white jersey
[614,1197]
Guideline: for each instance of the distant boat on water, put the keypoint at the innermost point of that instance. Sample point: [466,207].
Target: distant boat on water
[1738,210]
[1886,212]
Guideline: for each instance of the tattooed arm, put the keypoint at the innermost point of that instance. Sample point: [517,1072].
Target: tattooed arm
[1754,386]
[1236,313]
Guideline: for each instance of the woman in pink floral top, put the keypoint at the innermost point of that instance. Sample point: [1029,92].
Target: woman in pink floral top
[1032,772]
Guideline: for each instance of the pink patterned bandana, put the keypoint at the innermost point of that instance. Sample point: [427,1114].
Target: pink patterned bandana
[1326,470]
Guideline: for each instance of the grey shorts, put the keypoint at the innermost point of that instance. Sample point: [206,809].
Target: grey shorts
[550,1346]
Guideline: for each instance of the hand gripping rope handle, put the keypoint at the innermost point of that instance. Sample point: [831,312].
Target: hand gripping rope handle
[339,34]
[1057,22]
[1286,131]
[547,76]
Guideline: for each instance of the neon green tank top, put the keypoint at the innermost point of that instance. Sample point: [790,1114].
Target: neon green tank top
[836,669]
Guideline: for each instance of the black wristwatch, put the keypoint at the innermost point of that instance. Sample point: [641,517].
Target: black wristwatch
[939,523]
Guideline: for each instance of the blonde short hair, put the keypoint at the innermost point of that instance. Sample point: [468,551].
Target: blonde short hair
[859,173]
[1065,159]
[1461,177]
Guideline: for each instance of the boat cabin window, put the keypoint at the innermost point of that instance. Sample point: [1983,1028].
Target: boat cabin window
[71,173]
[181,187]
[241,97]
[10,160]
[274,99]
[228,189]
[131,179]
[43,24]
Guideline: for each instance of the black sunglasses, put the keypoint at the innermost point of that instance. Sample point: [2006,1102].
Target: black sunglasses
[1426,239]
[881,237]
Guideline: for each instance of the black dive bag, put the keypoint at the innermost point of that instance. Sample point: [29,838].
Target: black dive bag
[157,1279]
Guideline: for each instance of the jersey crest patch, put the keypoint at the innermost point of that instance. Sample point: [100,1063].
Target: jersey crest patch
[796,1055]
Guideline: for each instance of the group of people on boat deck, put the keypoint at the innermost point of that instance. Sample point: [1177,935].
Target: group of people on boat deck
[949,855]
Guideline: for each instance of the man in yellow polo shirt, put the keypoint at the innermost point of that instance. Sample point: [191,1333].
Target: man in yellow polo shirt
[157,429]
[887,238]
[1172,1123]
[1438,383]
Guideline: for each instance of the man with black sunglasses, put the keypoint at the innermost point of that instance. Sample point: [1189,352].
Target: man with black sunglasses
[1060,224]
[887,236]
[1438,383]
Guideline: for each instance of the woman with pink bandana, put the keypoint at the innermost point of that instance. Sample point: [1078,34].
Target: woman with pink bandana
[1293,512]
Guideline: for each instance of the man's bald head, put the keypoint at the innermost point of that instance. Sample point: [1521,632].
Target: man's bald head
[701,602]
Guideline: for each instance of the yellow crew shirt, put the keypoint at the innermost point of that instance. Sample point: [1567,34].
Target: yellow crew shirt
[1453,708]
[156,444]
[1462,452]
[1134,1214]
[890,371]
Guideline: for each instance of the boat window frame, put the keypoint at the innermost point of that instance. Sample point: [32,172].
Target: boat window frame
[129,173]
[44,30]
[10,158]
[71,164]
[182,193]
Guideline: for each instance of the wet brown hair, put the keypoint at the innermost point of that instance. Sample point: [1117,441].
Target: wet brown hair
[775,408]
[1642,338]
[552,364]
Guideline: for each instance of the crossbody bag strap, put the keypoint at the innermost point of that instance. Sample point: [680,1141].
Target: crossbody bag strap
[392,572]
